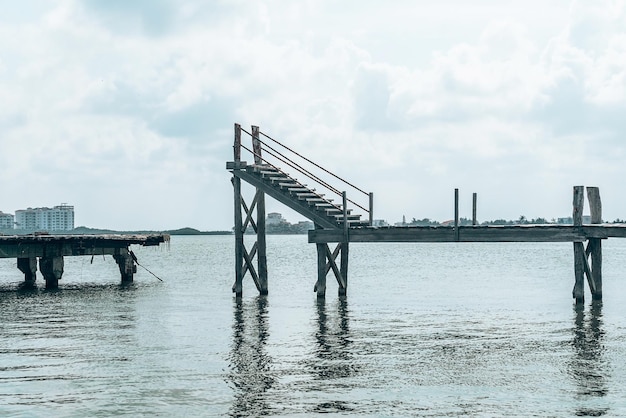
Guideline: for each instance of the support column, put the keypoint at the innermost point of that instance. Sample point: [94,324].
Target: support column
[320,286]
[52,269]
[239,249]
[595,244]
[260,218]
[578,292]
[344,269]
[239,246]
[28,266]
[126,265]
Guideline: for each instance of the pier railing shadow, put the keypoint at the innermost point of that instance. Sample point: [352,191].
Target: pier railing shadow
[589,367]
[250,365]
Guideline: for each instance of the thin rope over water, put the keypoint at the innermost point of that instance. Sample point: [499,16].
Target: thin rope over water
[132,254]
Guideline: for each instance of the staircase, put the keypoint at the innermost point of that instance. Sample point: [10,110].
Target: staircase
[297,196]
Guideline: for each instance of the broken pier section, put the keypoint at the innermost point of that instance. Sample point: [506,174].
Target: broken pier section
[50,250]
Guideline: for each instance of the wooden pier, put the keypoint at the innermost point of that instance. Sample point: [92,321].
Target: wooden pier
[50,250]
[338,222]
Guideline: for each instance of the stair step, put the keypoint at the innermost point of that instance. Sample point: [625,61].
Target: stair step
[273,176]
[323,205]
[280,180]
[258,168]
[289,185]
[315,199]
[350,217]
[307,194]
[334,211]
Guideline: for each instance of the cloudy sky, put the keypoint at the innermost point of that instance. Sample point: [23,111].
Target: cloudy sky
[126,109]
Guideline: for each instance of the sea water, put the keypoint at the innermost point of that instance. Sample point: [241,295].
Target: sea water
[425,330]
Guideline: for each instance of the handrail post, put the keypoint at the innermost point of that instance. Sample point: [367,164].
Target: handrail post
[344,197]
[237,145]
[371,209]
[456,214]
[474,200]
[256,145]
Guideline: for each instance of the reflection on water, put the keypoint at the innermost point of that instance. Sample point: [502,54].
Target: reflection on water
[250,365]
[332,354]
[588,367]
[333,360]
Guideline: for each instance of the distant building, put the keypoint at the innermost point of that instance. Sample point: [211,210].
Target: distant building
[6,220]
[275,218]
[379,222]
[58,218]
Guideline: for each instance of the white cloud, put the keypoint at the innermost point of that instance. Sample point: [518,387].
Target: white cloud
[409,100]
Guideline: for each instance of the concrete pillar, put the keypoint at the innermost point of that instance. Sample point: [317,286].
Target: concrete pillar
[126,264]
[52,270]
[28,266]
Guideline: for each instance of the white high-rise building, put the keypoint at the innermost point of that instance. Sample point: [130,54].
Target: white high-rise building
[59,218]
[6,220]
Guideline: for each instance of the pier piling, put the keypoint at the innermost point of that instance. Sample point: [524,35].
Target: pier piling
[126,264]
[28,266]
[52,270]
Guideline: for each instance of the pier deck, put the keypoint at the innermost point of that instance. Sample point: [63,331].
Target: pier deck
[351,219]
[50,249]
[478,233]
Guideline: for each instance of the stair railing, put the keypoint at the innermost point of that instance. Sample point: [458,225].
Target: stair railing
[256,152]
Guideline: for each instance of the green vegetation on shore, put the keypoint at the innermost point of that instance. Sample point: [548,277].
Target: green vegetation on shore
[83,230]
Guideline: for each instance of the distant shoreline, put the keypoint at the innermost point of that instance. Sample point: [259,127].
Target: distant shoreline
[82,230]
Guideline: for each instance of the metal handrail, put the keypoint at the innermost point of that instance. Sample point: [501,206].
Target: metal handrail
[315,164]
[288,161]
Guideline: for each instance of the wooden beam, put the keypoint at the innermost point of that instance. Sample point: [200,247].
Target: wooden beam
[334,267]
[250,267]
[299,206]
[343,285]
[320,285]
[249,212]
[371,213]
[256,145]
[578,205]
[260,237]
[595,244]
[239,247]
[578,293]
[474,201]
[237,145]
[456,214]
[507,233]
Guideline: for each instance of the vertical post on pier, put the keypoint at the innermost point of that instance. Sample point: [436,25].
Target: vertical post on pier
[474,200]
[343,269]
[320,285]
[237,144]
[595,244]
[256,145]
[260,220]
[239,247]
[456,214]
[261,243]
[579,251]
[371,196]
